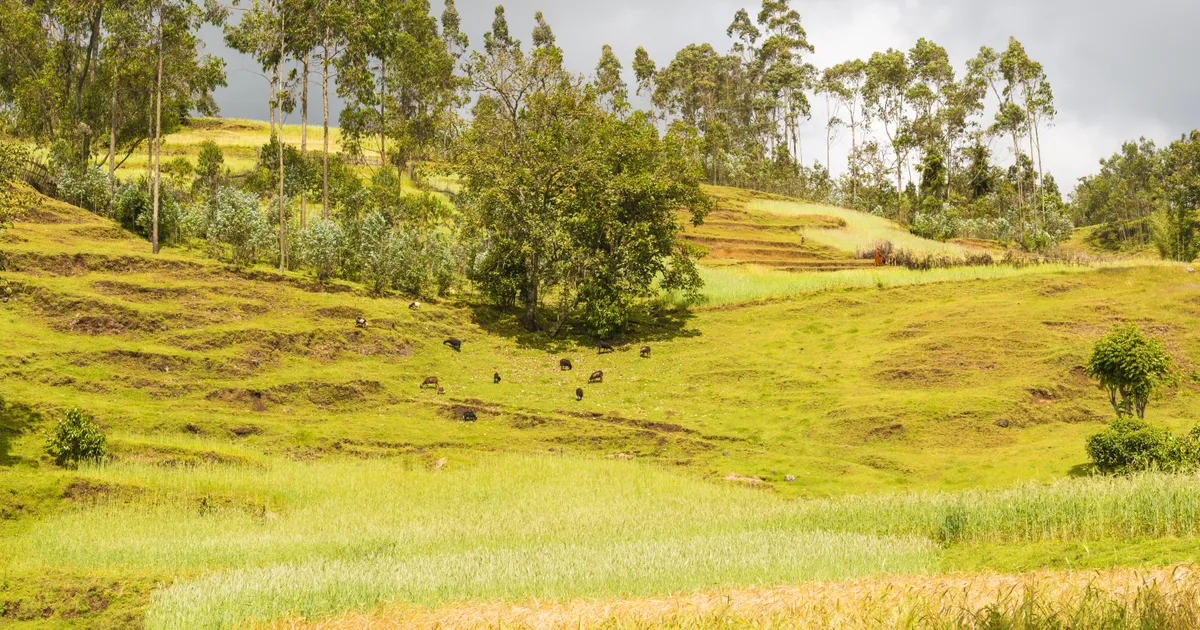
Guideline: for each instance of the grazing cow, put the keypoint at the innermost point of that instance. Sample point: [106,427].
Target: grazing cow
[432,381]
[565,364]
[415,306]
[578,393]
[441,390]
[1191,270]
[596,377]
[603,347]
[469,416]
[645,352]
[455,344]
[496,378]
[360,322]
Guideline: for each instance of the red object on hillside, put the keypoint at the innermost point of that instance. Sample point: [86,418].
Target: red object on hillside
[878,257]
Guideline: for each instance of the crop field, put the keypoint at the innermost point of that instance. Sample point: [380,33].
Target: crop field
[814,423]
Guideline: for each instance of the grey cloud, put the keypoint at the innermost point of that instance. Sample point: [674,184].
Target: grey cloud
[1120,69]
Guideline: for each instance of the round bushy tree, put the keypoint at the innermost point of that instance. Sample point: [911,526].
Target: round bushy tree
[77,439]
[1132,367]
[322,246]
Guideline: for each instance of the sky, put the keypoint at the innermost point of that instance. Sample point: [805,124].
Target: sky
[1120,69]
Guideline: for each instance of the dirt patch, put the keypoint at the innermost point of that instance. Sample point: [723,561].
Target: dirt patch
[324,395]
[304,284]
[1052,289]
[885,464]
[172,456]
[88,491]
[35,263]
[340,313]
[245,430]
[325,345]
[915,377]
[139,292]
[46,215]
[72,314]
[888,432]
[749,481]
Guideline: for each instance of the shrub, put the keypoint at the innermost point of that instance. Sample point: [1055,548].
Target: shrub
[210,170]
[87,188]
[321,247]
[77,440]
[239,223]
[1132,445]
[130,203]
[1131,367]
[380,253]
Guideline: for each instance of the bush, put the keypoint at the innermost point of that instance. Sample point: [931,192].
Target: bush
[238,222]
[77,440]
[87,188]
[1132,445]
[321,247]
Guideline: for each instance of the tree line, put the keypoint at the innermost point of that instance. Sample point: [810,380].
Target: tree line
[921,134]
[1145,195]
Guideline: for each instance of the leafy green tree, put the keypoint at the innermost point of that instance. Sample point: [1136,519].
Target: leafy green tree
[1132,367]
[609,85]
[77,440]
[1177,228]
[571,205]
[889,79]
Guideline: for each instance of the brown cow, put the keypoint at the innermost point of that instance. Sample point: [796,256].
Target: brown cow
[432,381]
[596,377]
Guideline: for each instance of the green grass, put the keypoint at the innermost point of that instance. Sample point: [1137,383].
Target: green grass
[317,538]
[749,283]
[862,230]
[312,539]
[232,395]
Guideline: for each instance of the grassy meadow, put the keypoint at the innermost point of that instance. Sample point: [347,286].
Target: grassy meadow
[813,419]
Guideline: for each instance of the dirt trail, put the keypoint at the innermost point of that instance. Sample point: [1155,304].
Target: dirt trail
[880,602]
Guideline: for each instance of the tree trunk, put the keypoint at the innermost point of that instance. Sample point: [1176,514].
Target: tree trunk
[112,137]
[529,319]
[150,143]
[382,114]
[282,218]
[304,140]
[158,129]
[325,136]
[1041,174]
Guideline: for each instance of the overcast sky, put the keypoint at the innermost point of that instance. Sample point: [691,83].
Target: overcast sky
[1120,69]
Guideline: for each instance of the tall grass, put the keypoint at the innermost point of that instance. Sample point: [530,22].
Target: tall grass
[862,230]
[327,537]
[724,285]
[334,536]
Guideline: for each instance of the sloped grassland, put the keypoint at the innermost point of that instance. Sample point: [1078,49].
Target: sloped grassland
[235,398]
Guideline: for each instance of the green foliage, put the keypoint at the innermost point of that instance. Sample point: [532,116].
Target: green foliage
[210,171]
[380,252]
[77,440]
[130,204]
[12,197]
[87,188]
[1131,445]
[237,222]
[1132,367]
[571,206]
[322,247]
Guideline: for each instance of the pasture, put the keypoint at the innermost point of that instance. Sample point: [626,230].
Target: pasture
[812,418]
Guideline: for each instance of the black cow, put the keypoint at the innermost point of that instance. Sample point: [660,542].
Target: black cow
[603,347]
[496,378]
[469,416]
[455,344]
[565,364]
[645,352]
[578,393]
[596,377]
[360,322]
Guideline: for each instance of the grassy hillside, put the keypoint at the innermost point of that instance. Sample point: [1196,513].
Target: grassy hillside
[273,458]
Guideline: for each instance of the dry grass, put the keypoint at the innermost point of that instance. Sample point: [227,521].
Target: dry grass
[1163,598]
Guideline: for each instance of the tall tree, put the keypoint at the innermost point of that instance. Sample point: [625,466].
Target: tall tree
[889,79]
[846,82]
[609,85]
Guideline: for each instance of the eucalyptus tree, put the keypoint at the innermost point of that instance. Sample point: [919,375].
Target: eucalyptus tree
[610,87]
[847,82]
[889,79]
[786,77]
[1028,88]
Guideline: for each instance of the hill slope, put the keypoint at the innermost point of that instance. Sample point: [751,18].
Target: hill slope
[210,380]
